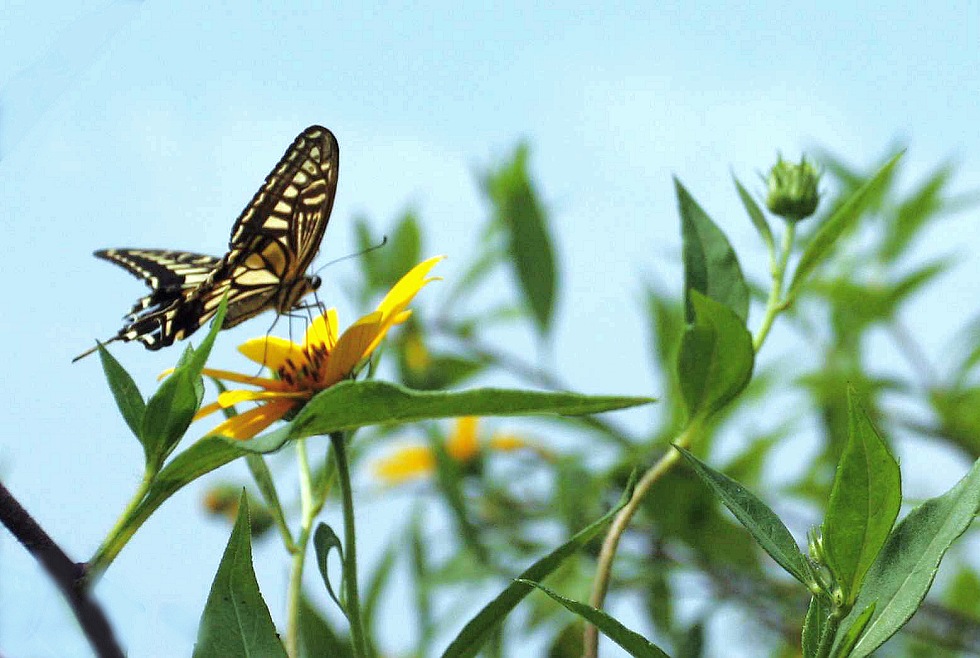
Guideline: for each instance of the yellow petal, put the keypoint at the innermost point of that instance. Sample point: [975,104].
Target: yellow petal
[272,351]
[207,410]
[350,348]
[405,464]
[264,382]
[462,444]
[323,330]
[231,398]
[408,286]
[507,442]
[248,424]
[386,324]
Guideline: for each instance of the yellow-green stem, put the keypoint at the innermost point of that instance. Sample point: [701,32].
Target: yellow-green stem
[776,304]
[119,535]
[352,603]
[308,512]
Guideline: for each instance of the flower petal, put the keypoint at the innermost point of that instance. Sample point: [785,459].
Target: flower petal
[402,293]
[271,351]
[207,410]
[386,324]
[247,425]
[404,464]
[263,382]
[351,348]
[323,330]
[231,398]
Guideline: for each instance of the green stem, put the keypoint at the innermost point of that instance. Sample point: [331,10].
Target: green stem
[352,602]
[308,511]
[776,304]
[119,535]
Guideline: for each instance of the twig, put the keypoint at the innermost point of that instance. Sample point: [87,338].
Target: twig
[66,574]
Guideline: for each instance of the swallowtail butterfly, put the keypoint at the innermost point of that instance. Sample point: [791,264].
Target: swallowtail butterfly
[272,245]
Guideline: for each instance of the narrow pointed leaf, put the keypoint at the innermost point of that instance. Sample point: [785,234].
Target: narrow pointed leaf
[756,215]
[716,357]
[826,236]
[864,502]
[350,405]
[758,519]
[853,634]
[324,541]
[634,643]
[236,620]
[480,628]
[710,264]
[906,566]
[267,486]
[814,626]
[124,390]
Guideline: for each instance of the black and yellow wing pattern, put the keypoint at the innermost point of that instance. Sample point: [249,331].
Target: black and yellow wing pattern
[272,244]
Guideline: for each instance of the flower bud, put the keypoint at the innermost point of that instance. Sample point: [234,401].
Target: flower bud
[793,193]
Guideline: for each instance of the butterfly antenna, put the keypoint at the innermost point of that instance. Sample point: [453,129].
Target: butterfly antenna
[94,349]
[384,241]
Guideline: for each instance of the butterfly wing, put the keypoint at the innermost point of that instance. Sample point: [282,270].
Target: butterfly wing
[166,272]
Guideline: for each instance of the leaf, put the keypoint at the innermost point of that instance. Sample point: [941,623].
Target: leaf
[864,502]
[236,620]
[263,479]
[317,638]
[420,583]
[633,642]
[715,360]
[324,541]
[350,405]
[906,566]
[471,639]
[758,519]
[710,264]
[851,636]
[450,481]
[814,626]
[757,216]
[823,240]
[171,409]
[379,581]
[915,212]
[124,390]
[518,208]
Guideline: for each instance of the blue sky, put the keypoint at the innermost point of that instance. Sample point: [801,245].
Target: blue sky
[151,124]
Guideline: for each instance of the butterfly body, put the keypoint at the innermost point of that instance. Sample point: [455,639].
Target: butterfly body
[272,244]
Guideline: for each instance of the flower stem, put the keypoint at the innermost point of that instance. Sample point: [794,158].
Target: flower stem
[776,304]
[352,603]
[308,511]
[119,536]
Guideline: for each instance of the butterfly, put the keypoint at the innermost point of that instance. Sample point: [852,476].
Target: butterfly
[272,244]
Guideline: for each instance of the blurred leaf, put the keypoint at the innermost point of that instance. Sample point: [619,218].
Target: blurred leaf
[236,620]
[757,216]
[864,502]
[659,597]
[383,267]
[853,633]
[692,645]
[914,213]
[710,264]
[964,592]
[449,477]
[317,639]
[758,519]
[491,253]
[715,358]
[958,411]
[820,245]
[901,576]
[814,626]
[375,588]
[517,207]
[349,405]
[420,582]
[324,541]
[124,390]
[634,643]
[568,643]
[478,630]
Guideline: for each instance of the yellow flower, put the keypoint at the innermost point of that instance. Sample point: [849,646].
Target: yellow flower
[324,358]
[415,461]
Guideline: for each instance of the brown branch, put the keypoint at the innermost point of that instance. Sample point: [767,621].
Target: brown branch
[66,574]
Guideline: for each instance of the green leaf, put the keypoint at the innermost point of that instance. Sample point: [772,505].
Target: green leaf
[263,479]
[915,212]
[450,481]
[518,208]
[125,392]
[851,636]
[757,518]
[373,594]
[420,583]
[236,621]
[350,405]
[814,626]
[715,360]
[325,540]
[633,642]
[317,638]
[710,264]
[757,216]
[171,409]
[823,240]
[479,629]
[906,566]
[864,502]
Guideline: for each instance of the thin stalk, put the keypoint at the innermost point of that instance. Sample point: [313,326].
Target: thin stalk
[776,304]
[119,535]
[308,512]
[352,603]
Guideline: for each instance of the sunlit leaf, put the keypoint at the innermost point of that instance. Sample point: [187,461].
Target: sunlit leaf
[124,390]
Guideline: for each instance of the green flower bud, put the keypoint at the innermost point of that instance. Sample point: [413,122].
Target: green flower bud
[793,193]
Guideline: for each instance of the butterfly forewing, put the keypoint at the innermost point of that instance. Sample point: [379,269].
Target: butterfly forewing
[272,244]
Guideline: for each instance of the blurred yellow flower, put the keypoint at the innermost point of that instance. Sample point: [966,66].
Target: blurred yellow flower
[413,462]
[302,370]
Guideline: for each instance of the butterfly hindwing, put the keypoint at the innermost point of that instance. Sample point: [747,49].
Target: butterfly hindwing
[272,244]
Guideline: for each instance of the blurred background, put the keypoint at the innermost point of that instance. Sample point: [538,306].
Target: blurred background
[126,124]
